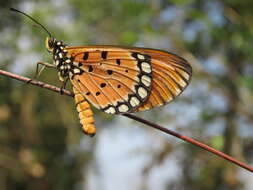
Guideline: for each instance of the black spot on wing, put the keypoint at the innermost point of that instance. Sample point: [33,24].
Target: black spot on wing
[102,85]
[85,55]
[118,61]
[109,72]
[104,54]
[90,68]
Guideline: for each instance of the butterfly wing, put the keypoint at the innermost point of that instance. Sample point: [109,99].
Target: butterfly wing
[120,79]
[113,79]
[171,74]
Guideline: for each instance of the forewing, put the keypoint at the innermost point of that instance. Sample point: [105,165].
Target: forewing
[114,80]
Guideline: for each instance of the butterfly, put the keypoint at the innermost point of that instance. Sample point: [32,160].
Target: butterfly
[117,79]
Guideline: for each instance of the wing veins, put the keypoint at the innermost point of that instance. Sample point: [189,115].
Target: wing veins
[111,64]
[94,82]
[162,89]
[162,78]
[88,91]
[174,80]
[105,78]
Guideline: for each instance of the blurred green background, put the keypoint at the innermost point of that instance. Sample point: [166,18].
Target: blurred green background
[41,144]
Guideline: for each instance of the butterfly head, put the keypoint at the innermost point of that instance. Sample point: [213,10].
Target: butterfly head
[50,43]
[54,46]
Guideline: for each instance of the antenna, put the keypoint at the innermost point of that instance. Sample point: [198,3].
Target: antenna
[43,27]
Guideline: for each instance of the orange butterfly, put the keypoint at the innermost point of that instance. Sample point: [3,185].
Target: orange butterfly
[117,79]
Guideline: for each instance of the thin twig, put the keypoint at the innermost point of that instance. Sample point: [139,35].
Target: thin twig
[153,125]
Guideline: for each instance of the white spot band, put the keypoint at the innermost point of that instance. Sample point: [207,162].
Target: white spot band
[123,108]
[146,67]
[146,80]
[142,92]
[134,101]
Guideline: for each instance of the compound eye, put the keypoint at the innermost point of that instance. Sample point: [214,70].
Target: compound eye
[50,44]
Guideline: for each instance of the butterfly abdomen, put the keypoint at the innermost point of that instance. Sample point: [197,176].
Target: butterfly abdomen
[85,113]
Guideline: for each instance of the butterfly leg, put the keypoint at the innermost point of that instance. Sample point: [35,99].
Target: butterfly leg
[39,71]
[44,65]
[85,114]
[64,83]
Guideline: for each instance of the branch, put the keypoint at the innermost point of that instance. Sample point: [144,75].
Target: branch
[148,123]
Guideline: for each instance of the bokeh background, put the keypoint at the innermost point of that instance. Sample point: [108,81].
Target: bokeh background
[41,144]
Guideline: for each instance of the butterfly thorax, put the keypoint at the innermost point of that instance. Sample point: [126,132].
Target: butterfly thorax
[63,62]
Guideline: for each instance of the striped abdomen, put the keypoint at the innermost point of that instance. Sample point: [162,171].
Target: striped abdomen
[85,113]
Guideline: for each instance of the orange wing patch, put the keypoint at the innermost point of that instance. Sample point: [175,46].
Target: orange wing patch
[113,81]
[119,80]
